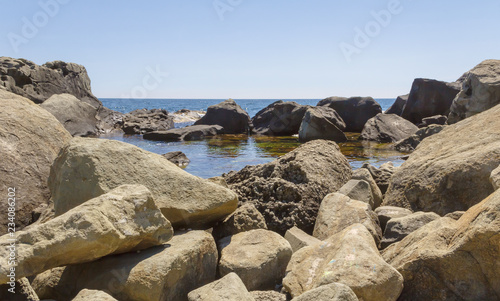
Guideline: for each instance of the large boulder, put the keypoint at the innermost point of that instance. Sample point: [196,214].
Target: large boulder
[452,260]
[449,171]
[30,139]
[189,133]
[399,227]
[355,111]
[123,220]
[398,106]
[410,144]
[387,128]
[229,115]
[77,117]
[167,272]
[331,292]
[349,257]
[228,288]
[338,212]
[480,91]
[322,123]
[259,257]
[288,190]
[429,97]
[279,119]
[243,219]
[89,167]
[144,121]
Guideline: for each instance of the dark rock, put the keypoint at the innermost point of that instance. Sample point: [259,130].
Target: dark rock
[145,121]
[385,213]
[322,123]
[289,190]
[398,106]
[438,119]
[387,128]
[355,111]
[399,227]
[21,292]
[189,133]
[429,97]
[410,144]
[178,158]
[229,115]
[279,119]
[381,175]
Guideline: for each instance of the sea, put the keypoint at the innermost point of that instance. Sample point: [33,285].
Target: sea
[215,156]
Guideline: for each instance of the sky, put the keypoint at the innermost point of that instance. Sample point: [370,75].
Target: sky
[272,49]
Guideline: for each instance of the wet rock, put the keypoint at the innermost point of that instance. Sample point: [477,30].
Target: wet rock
[230,116]
[279,119]
[399,227]
[398,106]
[189,133]
[299,239]
[322,123]
[410,144]
[387,128]
[145,121]
[330,292]
[385,213]
[245,218]
[228,288]
[178,158]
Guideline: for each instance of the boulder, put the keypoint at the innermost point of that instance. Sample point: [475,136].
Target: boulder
[21,291]
[450,171]
[279,119]
[228,288]
[355,111]
[146,121]
[299,239]
[259,257]
[322,123]
[387,128]
[381,175]
[438,119]
[338,212]
[480,91]
[288,190]
[245,218]
[268,296]
[229,115]
[77,117]
[410,144]
[495,178]
[429,97]
[452,260]
[398,106]
[30,139]
[123,220]
[385,213]
[93,295]
[167,272]
[399,227]
[89,167]
[178,158]
[364,175]
[349,257]
[455,215]
[331,292]
[189,133]
[358,190]
[185,115]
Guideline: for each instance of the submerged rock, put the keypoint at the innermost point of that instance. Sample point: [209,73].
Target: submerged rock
[229,115]
[189,133]
[279,119]
[322,123]
[387,128]
[146,121]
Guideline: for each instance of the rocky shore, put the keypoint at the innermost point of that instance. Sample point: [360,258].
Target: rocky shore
[97,219]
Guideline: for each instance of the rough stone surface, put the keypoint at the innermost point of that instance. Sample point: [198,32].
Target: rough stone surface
[398,106]
[77,117]
[438,119]
[355,111]
[228,288]
[387,128]
[349,257]
[123,220]
[455,215]
[229,115]
[299,239]
[429,97]
[385,213]
[399,227]
[21,292]
[185,115]
[452,260]
[288,190]
[495,178]
[189,133]
[279,119]
[480,91]
[167,272]
[178,158]
[245,218]
[93,295]
[410,144]
[144,121]
[322,123]
[450,171]
[381,175]
[358,190]
[89,167]
[259,257]
[330,292]
[364,175]
[30,139]
[338,212]
[268,296]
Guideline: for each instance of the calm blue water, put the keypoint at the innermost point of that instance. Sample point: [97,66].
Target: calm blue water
[215,156]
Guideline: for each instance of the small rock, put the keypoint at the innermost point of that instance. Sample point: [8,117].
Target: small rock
[331,292]
[364,175]
[245,218]
[268,296]
[228,288]
[455,215]
[385,213]
[438,119]
[358,190]
[382,175]
[399,227]
[299,239]
[93,295]
[410,144]
[189,133]
[178,158]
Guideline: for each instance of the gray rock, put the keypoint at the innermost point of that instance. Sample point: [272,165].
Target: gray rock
[145,121]
[189,133]
[229,115]
[359,190]
[279,119]
[381,175]
[364,175]
[331,292]
[438,119]
[355,111]
[387,128]
[268,296]
[385,213]
[299,239]
[398,106]
[495,178]
[322,123]
[455,215]
[178,158]
[228,288]
[245,218]
[399,227]
[410,144]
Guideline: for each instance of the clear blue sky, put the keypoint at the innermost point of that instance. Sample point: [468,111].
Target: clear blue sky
[260,49]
